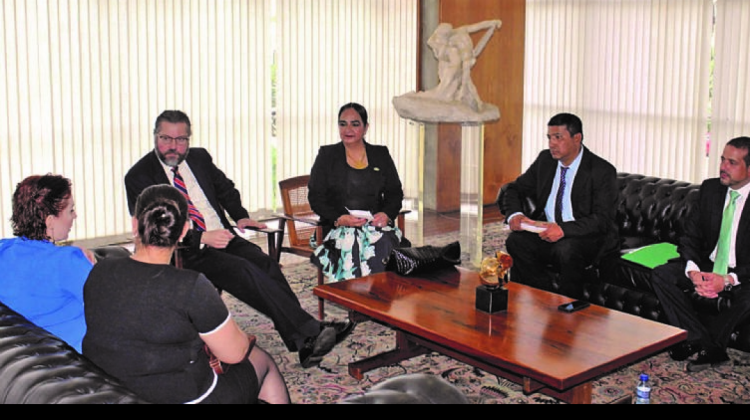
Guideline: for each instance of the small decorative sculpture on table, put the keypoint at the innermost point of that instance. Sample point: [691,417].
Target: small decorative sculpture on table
[492,295]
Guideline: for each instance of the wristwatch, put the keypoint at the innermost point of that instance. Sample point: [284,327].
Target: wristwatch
[728,283]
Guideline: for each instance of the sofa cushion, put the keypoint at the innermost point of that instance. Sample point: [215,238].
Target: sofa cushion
[651,210]
[624,299]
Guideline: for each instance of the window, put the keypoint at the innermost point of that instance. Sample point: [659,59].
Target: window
[730,105]
[637,72]
[83,81]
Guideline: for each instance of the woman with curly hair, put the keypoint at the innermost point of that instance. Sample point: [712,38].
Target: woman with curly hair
[40,280]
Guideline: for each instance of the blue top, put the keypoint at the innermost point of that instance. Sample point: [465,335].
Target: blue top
[44,283]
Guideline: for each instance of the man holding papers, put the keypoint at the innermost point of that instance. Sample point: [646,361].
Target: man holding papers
[575,192]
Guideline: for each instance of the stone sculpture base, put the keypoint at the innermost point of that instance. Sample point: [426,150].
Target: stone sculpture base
[418,106]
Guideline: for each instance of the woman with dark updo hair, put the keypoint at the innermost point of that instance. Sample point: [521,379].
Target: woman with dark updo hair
[156,327]
[40,280]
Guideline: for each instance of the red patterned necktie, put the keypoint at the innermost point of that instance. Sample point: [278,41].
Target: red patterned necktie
[199,223]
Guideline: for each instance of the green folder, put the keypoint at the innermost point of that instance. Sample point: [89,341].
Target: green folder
[652,256]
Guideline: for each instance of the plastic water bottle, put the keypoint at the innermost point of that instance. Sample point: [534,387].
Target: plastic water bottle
[643,391]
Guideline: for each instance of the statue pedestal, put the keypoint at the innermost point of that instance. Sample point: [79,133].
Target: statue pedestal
[414,196]
[472,198]
[456,100]
[472,191]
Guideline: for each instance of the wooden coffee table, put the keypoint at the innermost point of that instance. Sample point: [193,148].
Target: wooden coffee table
[532,343]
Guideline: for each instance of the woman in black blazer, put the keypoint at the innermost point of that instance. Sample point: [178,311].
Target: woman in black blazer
[348,176]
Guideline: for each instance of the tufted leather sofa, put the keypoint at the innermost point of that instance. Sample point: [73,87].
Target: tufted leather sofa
[649,210]
[36,367]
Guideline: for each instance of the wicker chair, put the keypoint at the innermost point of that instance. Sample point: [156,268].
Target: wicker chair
[302,223]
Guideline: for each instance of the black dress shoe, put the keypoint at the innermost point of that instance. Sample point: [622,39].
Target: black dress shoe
[684,350]
[706,359]
[311,354]
[343,328]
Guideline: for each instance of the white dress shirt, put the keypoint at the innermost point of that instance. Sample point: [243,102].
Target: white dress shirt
[740,205]
[567,203]
[197,196]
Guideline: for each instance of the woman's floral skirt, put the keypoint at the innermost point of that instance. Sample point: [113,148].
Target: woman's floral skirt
[349,252]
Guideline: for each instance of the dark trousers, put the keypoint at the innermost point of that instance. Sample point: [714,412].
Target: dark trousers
[247,273]
[711,331]
[532,258]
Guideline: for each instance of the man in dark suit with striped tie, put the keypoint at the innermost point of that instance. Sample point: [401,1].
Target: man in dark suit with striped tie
[575,192]
[232,263]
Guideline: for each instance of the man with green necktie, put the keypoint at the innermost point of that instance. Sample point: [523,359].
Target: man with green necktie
[714,257]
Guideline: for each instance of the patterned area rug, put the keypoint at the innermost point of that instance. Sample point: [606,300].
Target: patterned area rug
[330,382]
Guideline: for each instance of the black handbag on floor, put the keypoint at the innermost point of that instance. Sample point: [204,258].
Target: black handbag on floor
[423,259]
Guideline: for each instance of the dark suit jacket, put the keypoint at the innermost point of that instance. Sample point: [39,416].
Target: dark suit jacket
[702,231]
[328,179]
[219,189]
[594,196]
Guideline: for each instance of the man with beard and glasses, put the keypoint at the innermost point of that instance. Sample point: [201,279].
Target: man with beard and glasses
[714,256]
[230,262]
[576,196]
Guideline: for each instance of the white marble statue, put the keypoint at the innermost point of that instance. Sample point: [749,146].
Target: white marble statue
[455,98]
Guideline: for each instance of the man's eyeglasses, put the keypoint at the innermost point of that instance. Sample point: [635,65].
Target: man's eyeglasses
[180,141]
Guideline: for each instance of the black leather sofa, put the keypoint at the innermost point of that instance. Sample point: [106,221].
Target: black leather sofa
[36,367]
[649,210]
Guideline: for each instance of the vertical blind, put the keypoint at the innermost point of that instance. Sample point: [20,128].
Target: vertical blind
[731,94]
[332,52]
[635,71]
[83,80]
